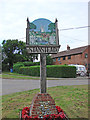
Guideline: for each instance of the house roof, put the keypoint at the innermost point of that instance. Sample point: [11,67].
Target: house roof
[74,51]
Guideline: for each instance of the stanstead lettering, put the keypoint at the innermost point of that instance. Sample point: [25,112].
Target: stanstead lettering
[34,49]
[41,49]
[30,50]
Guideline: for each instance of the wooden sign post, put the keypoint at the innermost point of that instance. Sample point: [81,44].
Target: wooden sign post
[43,73]
[42,38]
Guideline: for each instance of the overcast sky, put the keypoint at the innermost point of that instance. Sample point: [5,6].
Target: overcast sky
[73,14]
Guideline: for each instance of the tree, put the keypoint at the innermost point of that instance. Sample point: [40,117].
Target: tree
[15,51]
[49,60]
[51,27]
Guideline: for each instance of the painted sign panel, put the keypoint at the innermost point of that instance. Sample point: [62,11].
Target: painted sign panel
[42,36]
[42,32]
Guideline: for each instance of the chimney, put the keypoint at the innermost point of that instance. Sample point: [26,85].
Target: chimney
[68,47]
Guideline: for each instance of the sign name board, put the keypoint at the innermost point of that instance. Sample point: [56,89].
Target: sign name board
[42,36]
[42,49]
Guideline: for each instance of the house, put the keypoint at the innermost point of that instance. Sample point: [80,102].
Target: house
[72,56]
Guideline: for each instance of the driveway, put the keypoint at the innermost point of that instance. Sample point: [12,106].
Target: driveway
[12,85]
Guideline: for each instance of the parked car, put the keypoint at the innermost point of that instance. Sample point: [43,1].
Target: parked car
[80,69]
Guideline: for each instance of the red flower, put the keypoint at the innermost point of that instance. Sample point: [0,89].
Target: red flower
[47,116]
[26,108]
[60,115]
[59,109]
[36,116]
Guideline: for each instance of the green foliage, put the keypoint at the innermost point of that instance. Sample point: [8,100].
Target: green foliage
[57,71]
[63,71]
[32,26]
[51,27]
[26,63]
[14,51]
[31,63]
[16,67]
[5,67]
[31,71]
[49,60]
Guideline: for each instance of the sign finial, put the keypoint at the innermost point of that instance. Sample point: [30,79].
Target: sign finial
[56,20]
[27,19]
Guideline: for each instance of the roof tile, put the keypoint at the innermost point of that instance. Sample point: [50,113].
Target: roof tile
[69,52]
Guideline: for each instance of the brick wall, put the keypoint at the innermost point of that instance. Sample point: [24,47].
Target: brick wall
[42,104]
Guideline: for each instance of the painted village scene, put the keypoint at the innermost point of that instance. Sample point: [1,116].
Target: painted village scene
[42,33]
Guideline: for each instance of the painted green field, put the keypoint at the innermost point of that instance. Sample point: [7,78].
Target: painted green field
[72,99]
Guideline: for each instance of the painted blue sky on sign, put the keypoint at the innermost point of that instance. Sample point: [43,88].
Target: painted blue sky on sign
[42,23]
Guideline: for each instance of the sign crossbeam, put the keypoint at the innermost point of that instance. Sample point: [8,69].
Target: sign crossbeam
[43,49]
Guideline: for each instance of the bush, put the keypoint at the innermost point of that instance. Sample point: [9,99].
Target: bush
[49,60]
[57,71]
[17,66]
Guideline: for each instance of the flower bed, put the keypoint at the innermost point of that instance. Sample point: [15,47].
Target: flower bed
[60,116]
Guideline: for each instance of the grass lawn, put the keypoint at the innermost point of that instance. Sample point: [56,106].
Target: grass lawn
[8,75]
[72,99]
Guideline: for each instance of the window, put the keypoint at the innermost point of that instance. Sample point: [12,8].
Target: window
[86,65]
[86,55]
[58,58]
[69,57]
[64,58]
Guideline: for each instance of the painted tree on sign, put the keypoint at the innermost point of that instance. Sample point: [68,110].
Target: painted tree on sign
[51,27]
[32,26]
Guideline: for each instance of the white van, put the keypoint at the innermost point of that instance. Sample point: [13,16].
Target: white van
[80,69]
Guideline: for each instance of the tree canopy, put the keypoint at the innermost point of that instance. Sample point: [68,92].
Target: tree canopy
[15,51]
[49,60]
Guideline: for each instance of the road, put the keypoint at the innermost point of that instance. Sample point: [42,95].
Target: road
[11,86]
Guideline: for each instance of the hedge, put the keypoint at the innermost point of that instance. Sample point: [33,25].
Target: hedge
[61,71]
[57,71]
[31,71]
[17,66]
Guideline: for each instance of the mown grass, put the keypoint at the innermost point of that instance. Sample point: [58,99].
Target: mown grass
[72,99]
[8,75]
